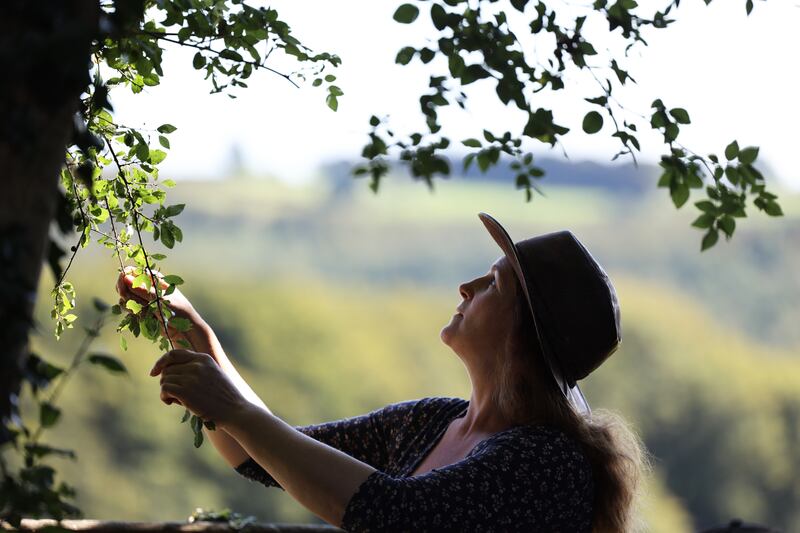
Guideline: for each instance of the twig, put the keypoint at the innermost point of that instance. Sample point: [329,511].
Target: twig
[72,258]
[613,118]
[208,48]
[153,279]
[76,360]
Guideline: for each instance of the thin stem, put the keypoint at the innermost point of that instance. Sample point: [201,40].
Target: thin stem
[77,245]
[76,360]
[153,279]
[207,48]
[613,118]
[72,258]
[113,230]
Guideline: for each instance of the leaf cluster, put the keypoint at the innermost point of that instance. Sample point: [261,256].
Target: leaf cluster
[477,42]
[32,491]
[111,188]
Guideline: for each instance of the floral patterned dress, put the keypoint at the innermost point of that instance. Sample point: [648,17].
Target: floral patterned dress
[526,478]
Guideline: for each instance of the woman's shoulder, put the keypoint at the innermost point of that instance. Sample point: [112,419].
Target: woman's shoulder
[427,406]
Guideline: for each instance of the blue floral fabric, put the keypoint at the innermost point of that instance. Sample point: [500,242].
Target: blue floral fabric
[526,478]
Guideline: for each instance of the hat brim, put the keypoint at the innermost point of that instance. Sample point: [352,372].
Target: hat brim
[503,240]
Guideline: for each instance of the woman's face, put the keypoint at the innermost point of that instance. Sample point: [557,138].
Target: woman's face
[483,319]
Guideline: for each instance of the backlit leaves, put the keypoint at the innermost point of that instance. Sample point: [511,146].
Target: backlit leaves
[477,43]
[592,122]
[406,14]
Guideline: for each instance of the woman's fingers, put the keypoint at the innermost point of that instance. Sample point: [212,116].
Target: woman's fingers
[176,357]
[170,393]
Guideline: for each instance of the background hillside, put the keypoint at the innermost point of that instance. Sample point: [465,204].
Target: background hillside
[330,300]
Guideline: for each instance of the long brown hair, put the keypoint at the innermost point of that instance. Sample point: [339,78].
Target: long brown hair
[527,394]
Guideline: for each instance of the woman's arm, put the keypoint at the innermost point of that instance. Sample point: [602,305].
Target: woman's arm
[320,477]
[205,340]
[202,339]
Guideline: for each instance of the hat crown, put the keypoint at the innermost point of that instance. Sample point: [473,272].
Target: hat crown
[572,300]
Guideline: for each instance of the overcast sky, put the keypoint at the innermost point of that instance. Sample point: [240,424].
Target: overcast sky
[736,75]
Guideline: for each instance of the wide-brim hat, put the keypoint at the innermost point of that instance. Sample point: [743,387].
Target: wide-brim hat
[574,306]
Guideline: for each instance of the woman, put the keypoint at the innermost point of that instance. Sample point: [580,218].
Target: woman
[523,454]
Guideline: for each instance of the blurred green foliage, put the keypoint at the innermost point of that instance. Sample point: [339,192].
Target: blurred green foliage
[332,307]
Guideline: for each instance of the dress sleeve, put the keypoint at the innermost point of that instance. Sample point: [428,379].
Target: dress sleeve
[366,437]
[511,484]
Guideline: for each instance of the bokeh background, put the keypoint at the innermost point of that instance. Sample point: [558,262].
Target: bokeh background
[330,299]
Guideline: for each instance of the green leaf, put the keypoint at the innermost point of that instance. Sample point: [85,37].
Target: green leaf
[233,55]
[43,450]
[731,151]
[671,132]
[186,415]
[199,61]
[108,362]
[123,343]
[472,143]
[405,55]
[728,225]
[48,414]
[706,206]
[709,240]
[100,305]
[406,14]
[680,115]
[438,16]
[166,128]
[374,121]
[179,323]
[142,151]
[174,210]
[704,221]
[157,156]
[173,279]
[166,236]
[163,141]
[747,156]
[176,232]
[332,102]
[592,122]
[134,306]
[680,194]
[330,78]
[773,209]
[317,82]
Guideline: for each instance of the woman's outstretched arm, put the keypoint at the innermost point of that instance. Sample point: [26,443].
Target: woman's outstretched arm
[320,477]
[202,339]
[226,445]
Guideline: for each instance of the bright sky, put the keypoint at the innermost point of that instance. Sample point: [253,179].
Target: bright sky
[735,75]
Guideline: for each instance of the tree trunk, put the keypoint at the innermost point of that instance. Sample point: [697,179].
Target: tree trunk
[45,48]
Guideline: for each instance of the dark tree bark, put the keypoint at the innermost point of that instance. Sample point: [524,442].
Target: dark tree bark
[45,49]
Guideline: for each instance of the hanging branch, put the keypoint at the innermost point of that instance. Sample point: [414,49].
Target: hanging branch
[153,279]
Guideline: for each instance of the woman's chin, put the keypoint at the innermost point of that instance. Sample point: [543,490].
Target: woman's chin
[447,333]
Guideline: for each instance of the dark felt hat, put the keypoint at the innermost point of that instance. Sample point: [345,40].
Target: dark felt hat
[573,303]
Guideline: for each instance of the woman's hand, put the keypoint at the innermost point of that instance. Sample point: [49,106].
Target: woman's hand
[196,337]
[197,382]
